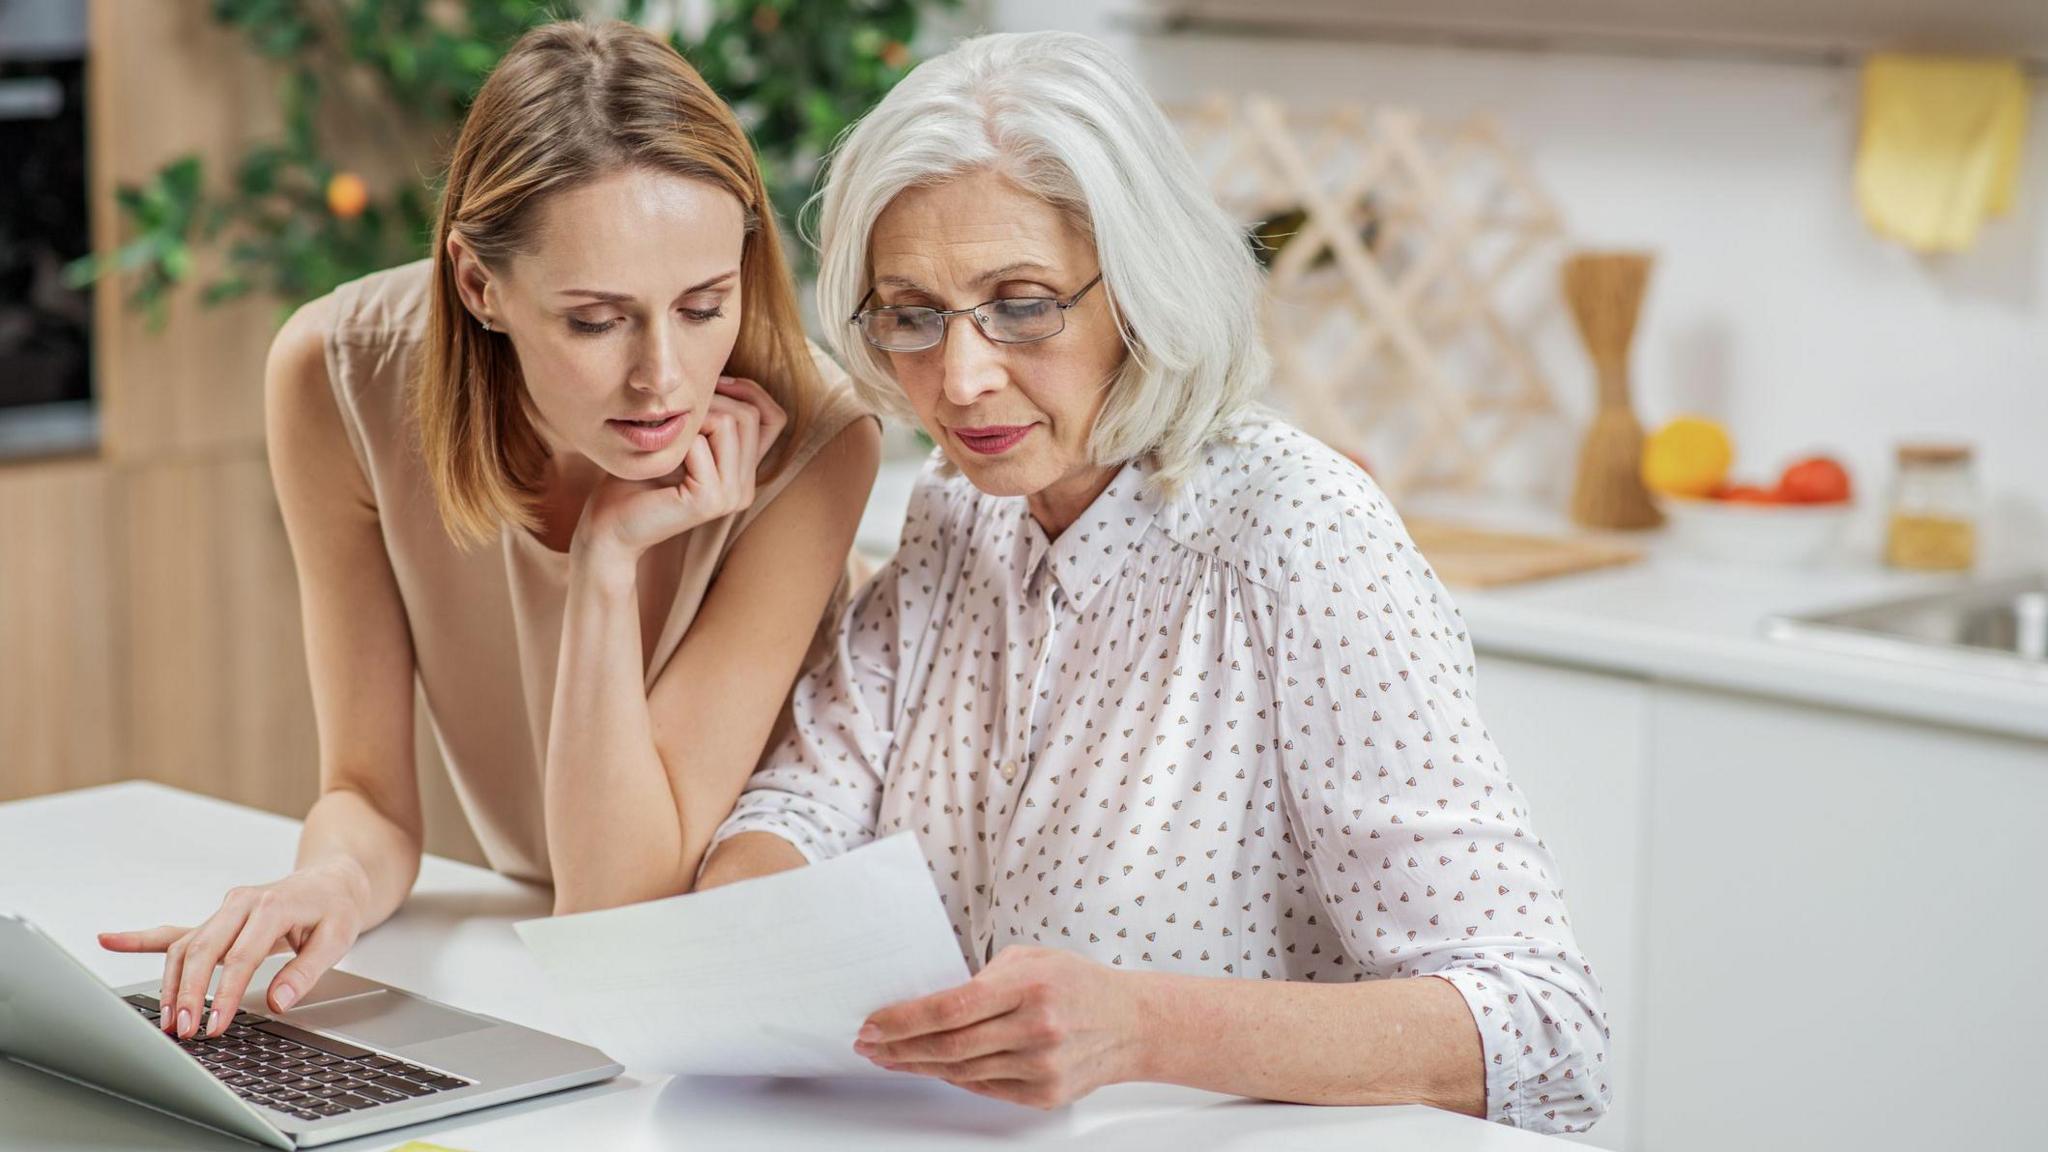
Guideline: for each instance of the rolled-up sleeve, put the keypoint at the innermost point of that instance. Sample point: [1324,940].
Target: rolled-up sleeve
[1419,843]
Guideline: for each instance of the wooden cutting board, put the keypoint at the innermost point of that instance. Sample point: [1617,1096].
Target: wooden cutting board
[1466,557]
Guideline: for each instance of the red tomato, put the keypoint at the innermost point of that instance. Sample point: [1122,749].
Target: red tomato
[1818,480]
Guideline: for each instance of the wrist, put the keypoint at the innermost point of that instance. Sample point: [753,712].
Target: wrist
[602,565]
[353,879]
[1151,1040]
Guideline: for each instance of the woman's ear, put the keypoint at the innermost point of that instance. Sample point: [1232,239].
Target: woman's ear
[472,280]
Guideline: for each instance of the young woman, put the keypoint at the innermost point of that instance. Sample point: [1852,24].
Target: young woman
[580,478]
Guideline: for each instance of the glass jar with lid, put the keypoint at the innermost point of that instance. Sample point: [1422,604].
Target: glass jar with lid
[1934,509]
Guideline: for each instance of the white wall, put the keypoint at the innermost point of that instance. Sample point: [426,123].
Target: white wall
[1773,307]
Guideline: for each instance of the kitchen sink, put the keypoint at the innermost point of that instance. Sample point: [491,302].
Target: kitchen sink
[1997,627]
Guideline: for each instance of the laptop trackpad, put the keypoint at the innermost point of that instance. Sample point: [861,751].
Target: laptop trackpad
[386,1020]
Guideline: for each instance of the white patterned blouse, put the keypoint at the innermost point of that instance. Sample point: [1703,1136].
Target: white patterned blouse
[1230,731]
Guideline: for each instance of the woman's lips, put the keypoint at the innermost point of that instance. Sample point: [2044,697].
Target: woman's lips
[995,439]
[649,437]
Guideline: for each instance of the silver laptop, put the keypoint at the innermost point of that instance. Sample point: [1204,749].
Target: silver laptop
[354,1057]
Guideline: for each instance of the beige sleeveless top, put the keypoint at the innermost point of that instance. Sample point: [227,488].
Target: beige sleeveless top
[486,623]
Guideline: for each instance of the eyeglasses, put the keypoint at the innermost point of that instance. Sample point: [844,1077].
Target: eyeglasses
[1013,320]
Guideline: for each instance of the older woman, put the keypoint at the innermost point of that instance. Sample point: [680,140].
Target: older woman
[1185,726]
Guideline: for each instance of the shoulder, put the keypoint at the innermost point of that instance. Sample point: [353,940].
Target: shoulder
[1274,502]
[297,383]
[300,347]
[315,459]
[836,469]
[390,305]
[344,346]
[834,460]
[351,350]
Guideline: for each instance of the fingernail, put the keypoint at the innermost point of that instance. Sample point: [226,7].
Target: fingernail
[870,1033]
[284,996]
[184,1021]
[163,1018]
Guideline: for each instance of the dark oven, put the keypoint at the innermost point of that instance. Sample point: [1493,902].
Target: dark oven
[45,328]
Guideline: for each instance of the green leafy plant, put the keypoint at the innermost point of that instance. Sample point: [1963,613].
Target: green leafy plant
[295,222]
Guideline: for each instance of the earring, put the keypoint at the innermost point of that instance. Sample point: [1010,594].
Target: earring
[485,323]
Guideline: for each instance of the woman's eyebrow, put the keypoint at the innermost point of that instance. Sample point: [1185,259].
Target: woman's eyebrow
[627,297]
[988,277]
[1008,270]
[714,282]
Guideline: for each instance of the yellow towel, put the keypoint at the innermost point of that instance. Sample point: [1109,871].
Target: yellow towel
[1940,148]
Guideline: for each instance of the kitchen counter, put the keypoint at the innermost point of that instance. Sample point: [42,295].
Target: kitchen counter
[1674,620]
[1675,617]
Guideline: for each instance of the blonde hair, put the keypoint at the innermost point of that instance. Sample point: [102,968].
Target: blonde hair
[571,102]
[1061,117]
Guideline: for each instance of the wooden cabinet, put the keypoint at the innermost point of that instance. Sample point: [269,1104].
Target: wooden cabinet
[216,697]
[58,697]
[149,618]
[168,80]
[149,627]
[214,682]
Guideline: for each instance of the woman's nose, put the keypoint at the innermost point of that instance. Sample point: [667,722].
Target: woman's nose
[657,369]
[973,363]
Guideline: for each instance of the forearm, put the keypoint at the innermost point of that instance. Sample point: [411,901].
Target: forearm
[378,855]
[613,819]
[1403,1041]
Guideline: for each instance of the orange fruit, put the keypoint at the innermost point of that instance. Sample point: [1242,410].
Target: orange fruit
[1690,456]
[347,195]
[1817,480]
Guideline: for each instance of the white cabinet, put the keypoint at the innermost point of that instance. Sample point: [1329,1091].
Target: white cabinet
[1816,928]
[1846,930]
[1575,743]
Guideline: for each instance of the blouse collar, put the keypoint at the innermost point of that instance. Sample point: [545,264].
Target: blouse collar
[1090,553]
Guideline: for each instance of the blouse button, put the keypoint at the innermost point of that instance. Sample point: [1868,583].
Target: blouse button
[1009,770]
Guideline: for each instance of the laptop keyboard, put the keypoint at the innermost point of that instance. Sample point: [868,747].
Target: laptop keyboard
[303,1074]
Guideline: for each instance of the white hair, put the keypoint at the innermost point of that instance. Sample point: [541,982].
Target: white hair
[1066,121]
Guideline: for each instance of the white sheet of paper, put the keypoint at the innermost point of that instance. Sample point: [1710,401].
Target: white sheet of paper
[767,977]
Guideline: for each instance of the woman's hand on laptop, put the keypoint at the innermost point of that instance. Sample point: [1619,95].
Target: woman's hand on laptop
[315,912]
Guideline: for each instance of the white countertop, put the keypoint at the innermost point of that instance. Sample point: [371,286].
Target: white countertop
[136,855]
[1674,616]
[1678,618]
